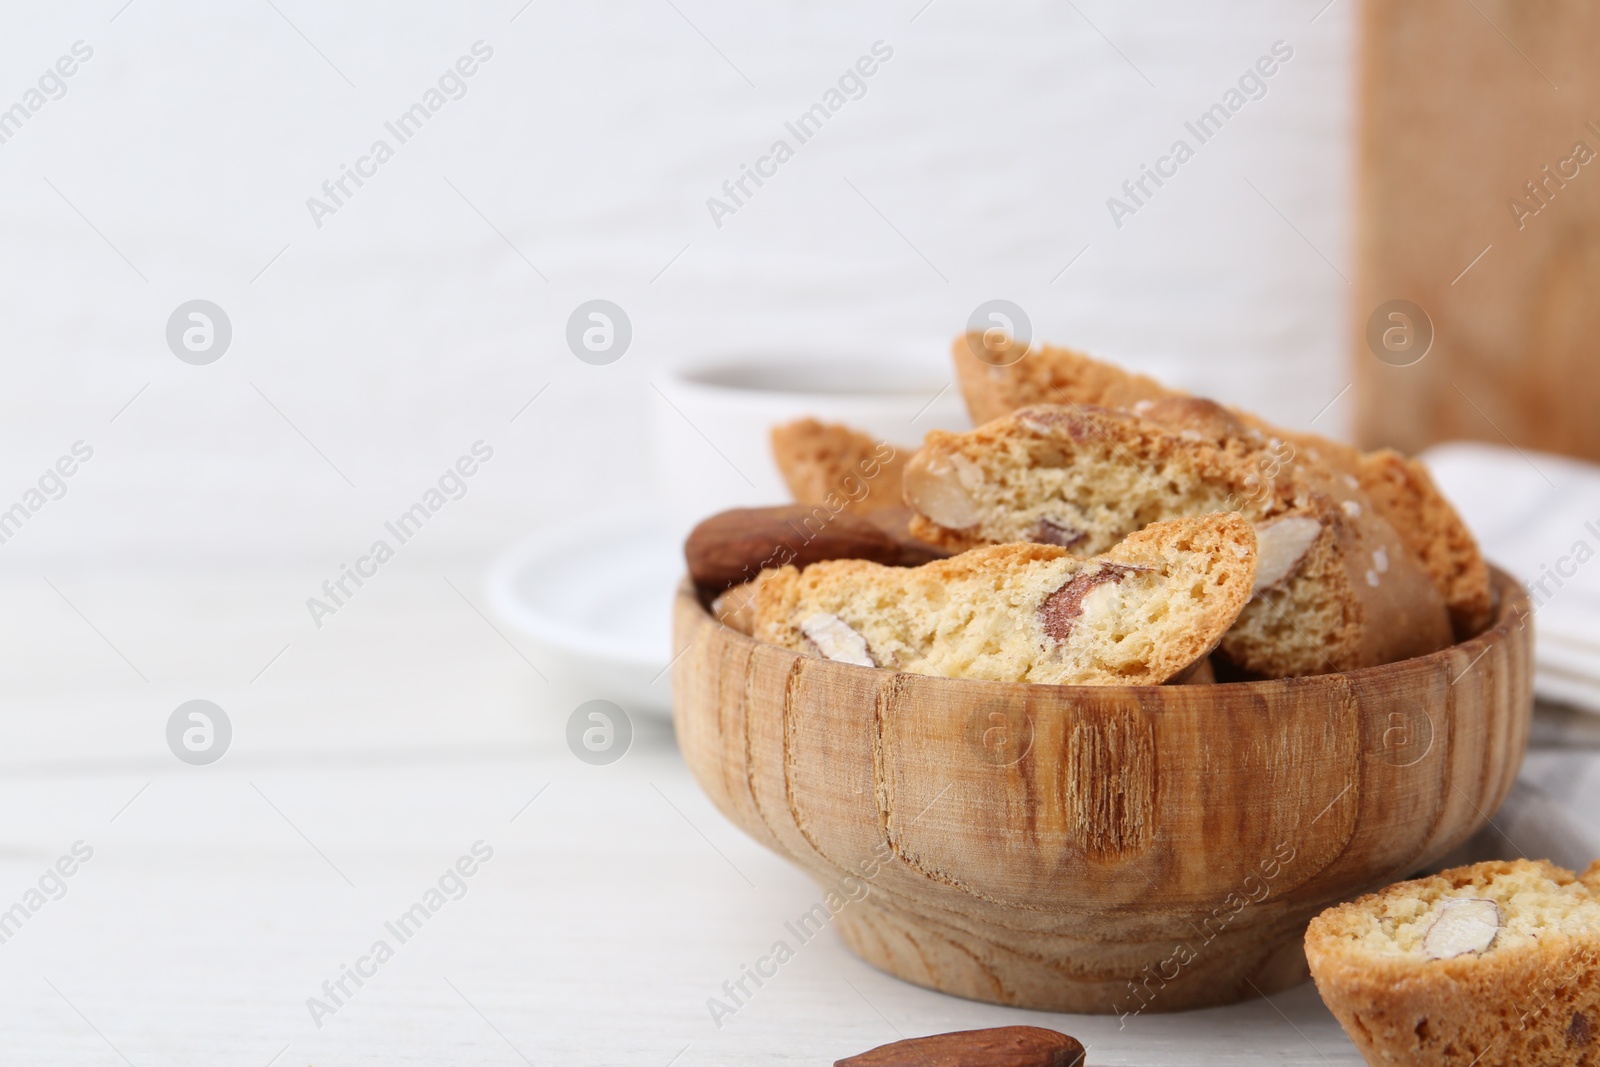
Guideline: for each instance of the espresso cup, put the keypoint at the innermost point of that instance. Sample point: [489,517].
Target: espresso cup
[712,420]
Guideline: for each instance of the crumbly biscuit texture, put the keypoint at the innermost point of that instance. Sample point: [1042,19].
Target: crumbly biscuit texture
[736,608]
[1004,376]
[1008,377]
[1082,478]
[832,464]
[1402,490]
[1493,964]
[1140,614]
[1335,588]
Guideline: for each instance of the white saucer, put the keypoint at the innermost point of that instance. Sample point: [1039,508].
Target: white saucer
[596,598]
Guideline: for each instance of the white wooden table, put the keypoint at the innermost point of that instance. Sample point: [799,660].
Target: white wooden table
[366,760]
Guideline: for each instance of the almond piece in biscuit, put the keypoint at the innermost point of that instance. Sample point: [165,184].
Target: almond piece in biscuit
[1398,488]
[833,638]
[1283,544]
[1334,590]
[1496,964]
[1141,614]
[1461,925]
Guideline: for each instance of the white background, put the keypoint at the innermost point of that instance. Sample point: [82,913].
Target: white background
[371,352]
[405,327]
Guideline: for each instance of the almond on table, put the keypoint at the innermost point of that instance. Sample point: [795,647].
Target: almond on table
[1001,1046]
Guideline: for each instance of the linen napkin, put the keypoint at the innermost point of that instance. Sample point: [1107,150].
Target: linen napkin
[1537,516]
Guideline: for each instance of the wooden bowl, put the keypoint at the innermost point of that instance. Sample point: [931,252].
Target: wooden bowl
[1099,848]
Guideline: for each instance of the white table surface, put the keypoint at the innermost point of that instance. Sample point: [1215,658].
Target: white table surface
[371,351]
[365,761]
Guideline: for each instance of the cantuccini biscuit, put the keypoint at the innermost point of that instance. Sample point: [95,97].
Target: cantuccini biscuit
[1335,587]
[1140,614]
[819,460]
[1496,964]
[1003,377]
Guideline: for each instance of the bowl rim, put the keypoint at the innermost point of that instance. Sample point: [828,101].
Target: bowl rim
[1511,606]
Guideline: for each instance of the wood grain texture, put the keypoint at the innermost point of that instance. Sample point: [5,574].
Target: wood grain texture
[1460,110]
[1101,849]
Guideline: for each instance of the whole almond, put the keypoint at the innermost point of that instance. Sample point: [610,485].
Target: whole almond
[1002,1046]
[734,546]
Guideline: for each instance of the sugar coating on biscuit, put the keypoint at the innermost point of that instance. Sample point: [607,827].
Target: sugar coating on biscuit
[1335,591]
[1399,489]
